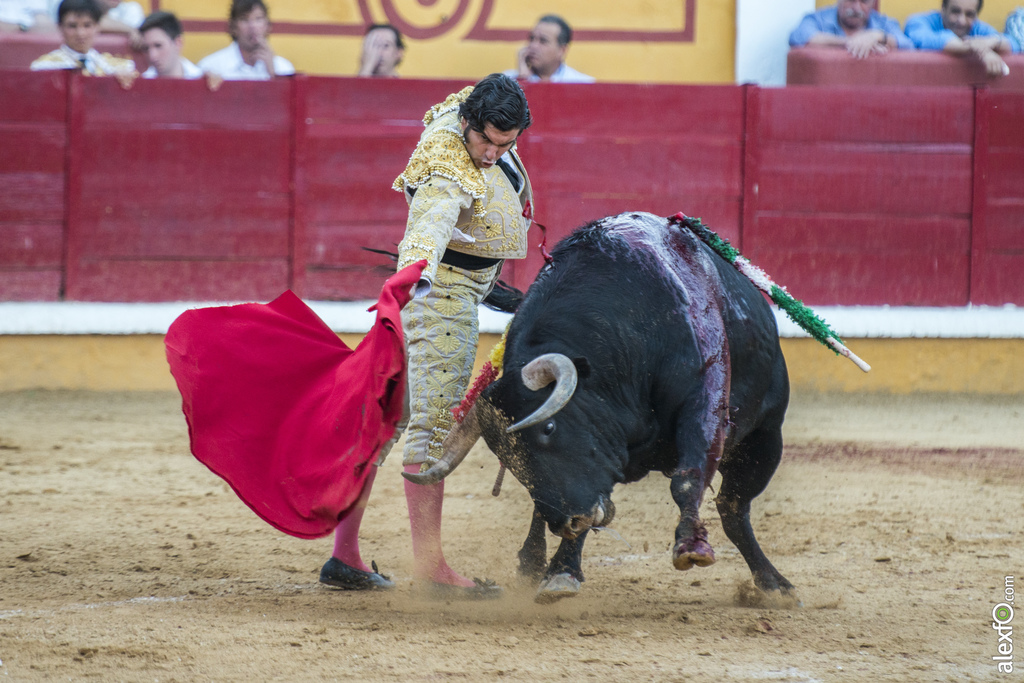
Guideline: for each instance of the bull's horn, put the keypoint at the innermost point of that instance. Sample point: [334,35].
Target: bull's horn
[456,446]
[540,372]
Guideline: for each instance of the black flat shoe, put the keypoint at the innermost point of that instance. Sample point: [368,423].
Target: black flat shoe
[340,575]
[483,590]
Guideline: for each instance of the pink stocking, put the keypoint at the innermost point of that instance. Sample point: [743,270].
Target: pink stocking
[346,534]
[425,518]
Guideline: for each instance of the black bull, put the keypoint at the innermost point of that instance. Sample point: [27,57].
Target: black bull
[636,350]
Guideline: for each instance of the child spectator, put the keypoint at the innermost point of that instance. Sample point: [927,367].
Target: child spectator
[78,21]
[162,36]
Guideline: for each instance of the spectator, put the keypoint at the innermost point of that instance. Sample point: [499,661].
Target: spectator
[124,18]
[26,16]
[852,24]
[956,30]
[383,51]
[1015,26]
[78,21]
[162,36]
[249,57]
[543,57]
[118,17]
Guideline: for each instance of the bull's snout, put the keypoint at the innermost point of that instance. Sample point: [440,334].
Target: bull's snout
[601,515]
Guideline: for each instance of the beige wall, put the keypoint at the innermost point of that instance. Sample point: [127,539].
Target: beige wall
[709,59]
[900,366]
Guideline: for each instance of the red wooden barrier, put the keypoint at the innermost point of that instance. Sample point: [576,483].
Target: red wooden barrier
[862,196]
[179,193]
[33,138]
[998,248]
[171,192]
[353,138]
[823,66]
[595,151]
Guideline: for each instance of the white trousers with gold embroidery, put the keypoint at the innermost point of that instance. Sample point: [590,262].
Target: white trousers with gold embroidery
[441,334]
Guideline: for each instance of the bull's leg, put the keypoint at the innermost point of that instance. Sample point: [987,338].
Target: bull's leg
[565,573]
[691,546]
[745,474]
[533,554]
[569,557]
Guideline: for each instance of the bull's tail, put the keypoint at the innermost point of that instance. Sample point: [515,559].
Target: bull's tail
[504,297]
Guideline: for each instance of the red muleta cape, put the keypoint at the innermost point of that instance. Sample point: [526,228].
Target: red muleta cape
[281,409]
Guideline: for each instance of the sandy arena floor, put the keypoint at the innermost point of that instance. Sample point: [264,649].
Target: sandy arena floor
[124,559]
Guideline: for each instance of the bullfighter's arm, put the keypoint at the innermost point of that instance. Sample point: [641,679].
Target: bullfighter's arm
[432,215]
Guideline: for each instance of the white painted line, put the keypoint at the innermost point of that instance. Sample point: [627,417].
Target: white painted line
[852,322]
[902,322]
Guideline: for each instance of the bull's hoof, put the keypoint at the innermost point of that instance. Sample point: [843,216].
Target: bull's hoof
[692,552]
[557,587]
[749,595]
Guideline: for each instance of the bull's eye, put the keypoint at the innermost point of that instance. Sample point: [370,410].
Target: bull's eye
[549,428]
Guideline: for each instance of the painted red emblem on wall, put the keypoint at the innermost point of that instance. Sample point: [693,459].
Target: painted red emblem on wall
[484,28]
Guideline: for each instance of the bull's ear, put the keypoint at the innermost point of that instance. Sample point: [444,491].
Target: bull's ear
[582,366]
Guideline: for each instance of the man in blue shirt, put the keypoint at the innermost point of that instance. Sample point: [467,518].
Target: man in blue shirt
[956,29]
[852,24]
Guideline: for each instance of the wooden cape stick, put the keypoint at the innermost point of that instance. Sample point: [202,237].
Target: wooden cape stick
[796,310]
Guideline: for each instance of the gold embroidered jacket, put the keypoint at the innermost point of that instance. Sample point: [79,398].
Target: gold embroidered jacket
[95,64]
[455,205]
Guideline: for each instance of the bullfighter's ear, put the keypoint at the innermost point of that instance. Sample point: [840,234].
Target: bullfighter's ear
[582,367]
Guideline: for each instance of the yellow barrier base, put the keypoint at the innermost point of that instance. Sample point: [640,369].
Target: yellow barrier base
[899,366]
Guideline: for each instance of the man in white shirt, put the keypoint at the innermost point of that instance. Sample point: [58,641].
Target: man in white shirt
[125,18]
[543,57]
[383,50]
[249,57]
[162,35]
[78,23]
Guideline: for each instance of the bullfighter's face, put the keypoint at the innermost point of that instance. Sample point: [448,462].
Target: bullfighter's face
[959,16]
[486,147]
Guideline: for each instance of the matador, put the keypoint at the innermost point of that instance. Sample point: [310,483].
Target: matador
[469,200]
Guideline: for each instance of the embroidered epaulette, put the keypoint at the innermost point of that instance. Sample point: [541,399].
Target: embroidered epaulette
[443,153]
[118,62]
[53,57]
[451,102]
